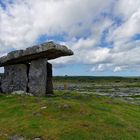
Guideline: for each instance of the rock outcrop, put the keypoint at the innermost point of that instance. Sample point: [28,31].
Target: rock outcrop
[29,71]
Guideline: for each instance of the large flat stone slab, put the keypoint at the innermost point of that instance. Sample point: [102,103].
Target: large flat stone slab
[49,50]
[14,78]
[38,77]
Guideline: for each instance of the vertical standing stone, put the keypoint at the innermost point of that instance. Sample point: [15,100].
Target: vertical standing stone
[38,77]
[0,81]
[49,79]
[14,78]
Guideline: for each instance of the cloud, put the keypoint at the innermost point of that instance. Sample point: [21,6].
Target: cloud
[24,21]
[101,33]
[116,69]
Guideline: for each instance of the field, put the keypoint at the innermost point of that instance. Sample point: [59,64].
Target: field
[82,108]
[125,88]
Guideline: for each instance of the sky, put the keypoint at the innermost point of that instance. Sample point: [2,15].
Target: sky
[103,34]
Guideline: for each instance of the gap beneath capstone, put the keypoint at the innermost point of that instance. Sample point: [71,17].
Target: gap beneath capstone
[28,68]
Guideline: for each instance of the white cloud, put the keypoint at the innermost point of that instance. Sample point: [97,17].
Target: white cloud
[87,26]
[101,67]
[24,21]
[116,69]
[126,8]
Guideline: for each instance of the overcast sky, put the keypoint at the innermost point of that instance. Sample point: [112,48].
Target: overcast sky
[104,34]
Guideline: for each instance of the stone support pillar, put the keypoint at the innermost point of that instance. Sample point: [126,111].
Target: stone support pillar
[37,77]
[14,78]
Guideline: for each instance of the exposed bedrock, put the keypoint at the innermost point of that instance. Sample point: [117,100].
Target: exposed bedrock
[14,78]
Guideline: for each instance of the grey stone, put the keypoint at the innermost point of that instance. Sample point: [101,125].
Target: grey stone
[49,79]
[49,50]
[64,106]
[15,78]
[38,77]
[37,139]
[21,93]
[28,70]
[1,75]
[17,138]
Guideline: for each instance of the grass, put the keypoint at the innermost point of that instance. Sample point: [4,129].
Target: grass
[68,116]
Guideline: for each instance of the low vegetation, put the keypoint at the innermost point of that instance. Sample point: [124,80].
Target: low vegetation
[126,88]
[68,116]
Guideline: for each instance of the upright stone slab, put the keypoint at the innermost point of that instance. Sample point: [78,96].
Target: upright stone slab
[0,81]
[14,78]
[38,77]
[49,79]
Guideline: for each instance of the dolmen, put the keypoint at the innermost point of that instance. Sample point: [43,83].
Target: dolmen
[28,70]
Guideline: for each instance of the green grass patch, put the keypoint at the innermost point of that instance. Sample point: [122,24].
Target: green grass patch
[68,116]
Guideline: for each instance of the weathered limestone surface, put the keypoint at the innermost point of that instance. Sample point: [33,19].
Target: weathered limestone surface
[38,77]
[49,50]
[49,79]
[14,78]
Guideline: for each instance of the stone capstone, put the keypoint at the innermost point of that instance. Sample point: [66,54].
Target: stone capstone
[14,78]
[49,50]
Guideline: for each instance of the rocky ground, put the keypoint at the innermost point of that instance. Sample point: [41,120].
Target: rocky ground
[125,89]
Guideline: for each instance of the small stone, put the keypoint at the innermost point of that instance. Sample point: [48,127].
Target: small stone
[21,93]
[37,139]
[17,138]
[64,106]
[37,114]
[43,107]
